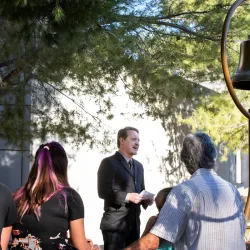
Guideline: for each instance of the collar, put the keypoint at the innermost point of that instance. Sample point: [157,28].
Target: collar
[204,171]
[126,158]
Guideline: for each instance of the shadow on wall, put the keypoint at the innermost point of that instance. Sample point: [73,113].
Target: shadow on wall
[14,167]
[171,166]
[175,171]
[10,171]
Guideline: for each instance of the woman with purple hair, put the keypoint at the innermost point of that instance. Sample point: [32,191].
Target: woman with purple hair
[48,207]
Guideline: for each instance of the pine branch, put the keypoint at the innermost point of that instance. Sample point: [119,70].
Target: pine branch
[158,21]
[8,63]
[11,74]
[76,103]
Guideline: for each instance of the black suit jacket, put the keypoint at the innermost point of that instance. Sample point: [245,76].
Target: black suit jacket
[115,181]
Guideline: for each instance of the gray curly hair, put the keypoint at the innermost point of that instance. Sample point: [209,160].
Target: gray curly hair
[198,151]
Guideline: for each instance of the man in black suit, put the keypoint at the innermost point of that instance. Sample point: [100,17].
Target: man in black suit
[120,181]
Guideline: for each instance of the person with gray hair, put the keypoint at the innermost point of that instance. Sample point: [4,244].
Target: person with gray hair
[198,151]
[204,212]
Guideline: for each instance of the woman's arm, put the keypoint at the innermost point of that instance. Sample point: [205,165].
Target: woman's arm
[77,235]
[5,237]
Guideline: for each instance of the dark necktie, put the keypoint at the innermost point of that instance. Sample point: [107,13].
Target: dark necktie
[130,163]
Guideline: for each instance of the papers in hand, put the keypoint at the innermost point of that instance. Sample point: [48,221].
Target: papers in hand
[147,195]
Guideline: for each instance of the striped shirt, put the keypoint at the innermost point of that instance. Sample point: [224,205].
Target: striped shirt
[203,213]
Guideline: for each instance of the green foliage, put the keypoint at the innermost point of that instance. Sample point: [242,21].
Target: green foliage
[220,118]
[160,49]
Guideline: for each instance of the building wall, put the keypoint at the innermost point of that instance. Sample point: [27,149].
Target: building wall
[14,165]
[14,160]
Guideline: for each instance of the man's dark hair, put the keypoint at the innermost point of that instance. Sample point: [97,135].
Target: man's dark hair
[198,151]
[124,134]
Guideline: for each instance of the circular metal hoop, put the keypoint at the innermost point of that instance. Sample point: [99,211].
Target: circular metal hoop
[224,58]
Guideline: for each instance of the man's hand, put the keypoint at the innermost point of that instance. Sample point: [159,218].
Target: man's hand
[135,198]
[148,242]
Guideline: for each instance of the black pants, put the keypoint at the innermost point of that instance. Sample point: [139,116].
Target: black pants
[118,241]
